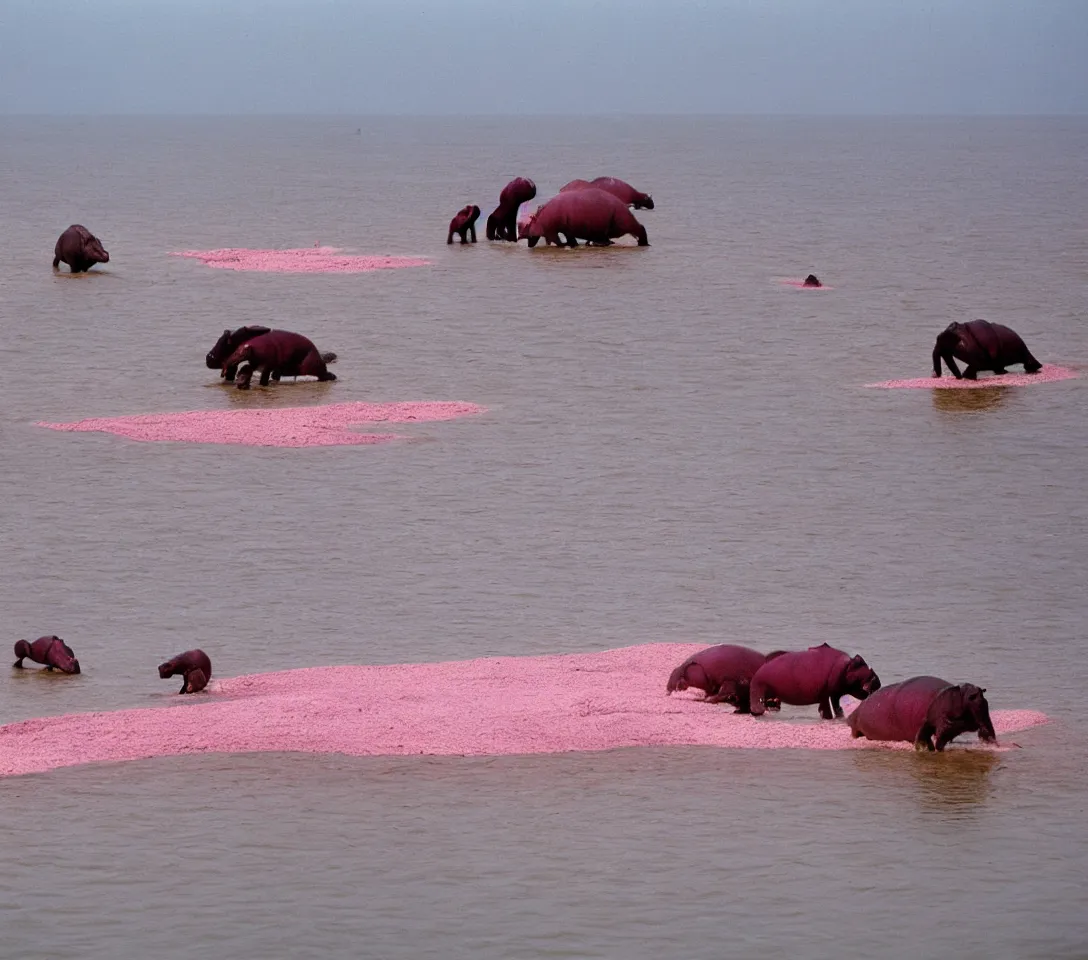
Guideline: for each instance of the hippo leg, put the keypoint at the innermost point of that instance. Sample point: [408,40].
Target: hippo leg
[825,709]
[56,263]
[276,376]
[314,366]
[228,373]
[837,707]
[999,371]
[184,684]
[923,740]
[244,376]
[572,240]
[1031,365]
[18,664]
[266,375]
[970,372]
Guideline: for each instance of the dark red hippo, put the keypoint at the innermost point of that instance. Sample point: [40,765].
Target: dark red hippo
[52,651]
[592,215]
[464,223]
[817,675]
[916,709]
[502,224]
[620,189]
[981,345]
[193,666]
[812,281]
[276,353]
[79,248]
[723,672]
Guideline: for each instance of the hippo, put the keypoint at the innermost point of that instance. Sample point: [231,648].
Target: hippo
[279,352]
[981,345]
[916,709]
[79,248]
[812,281]
[591,214]
[723,672]
[193,666]
[502,224]
[817,675]
[464,223]
[620,189]
[52,651]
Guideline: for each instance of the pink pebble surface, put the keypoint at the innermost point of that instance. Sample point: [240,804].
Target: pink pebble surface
[323,426]
[306,260]
[1049,374]
[491,706]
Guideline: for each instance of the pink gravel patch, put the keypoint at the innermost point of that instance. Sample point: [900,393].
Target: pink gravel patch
[491,706]
[307,260]
[1049,374]
[800,284]
[324,426]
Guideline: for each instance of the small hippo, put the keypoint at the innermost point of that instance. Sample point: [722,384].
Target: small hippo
[52,651]
[79,248]
[464,224]
[194,666]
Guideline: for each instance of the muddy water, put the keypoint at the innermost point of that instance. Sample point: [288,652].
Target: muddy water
[677,448]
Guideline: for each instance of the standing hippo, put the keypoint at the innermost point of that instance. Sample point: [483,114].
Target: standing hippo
[79,248]
[194,666]
[278,353]
[916,709]
[464,223]
[502,224]
[620,189]
[52,651]
[981,345]
[591,214]
[817,675]
[723,672]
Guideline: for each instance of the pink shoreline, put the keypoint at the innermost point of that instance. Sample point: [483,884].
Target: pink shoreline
[1051,373]
[486,707]
[305,260]
[321,426]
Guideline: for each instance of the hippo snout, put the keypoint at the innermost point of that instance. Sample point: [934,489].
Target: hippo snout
[211,361]
[72,667]
[871,685]
[104,258]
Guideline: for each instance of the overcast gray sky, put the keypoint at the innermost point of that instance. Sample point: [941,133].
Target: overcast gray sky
[544,56]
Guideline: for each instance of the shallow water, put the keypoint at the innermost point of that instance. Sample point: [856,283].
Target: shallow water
[677,447]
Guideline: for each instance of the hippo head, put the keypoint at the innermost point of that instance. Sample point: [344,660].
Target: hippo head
[22,649]
[977,710]
[947,341]
[62,657]
[860,680]
[228,343]
[530,230]
[94,251]
[644,202]
[166,670]
[812,281]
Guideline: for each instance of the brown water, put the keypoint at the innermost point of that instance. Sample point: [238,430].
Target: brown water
[677,448]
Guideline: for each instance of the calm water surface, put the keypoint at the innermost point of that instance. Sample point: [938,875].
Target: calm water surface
[677,448]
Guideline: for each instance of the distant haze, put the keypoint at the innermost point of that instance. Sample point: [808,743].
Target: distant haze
[455,57]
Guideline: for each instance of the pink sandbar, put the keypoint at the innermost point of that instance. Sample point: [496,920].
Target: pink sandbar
[284,427]
[800,284]
[312,260]
[491,706]
[1049,374]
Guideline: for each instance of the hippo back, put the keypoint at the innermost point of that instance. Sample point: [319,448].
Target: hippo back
[897,711]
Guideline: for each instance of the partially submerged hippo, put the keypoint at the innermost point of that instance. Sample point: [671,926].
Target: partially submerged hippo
[52,651]
[820,675]
[502,222]
[79,248]
[724,672]
[194,666]
[620,189]
[593,215]
[280,353]
[812,281]
[914,710]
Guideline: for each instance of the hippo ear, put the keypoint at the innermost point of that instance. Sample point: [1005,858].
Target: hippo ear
[226,333]
[981,689]
[857,661]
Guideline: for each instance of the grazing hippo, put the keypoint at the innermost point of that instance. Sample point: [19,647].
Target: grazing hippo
[916,709]
[279,353]
[817,675]
[723,672]
[812,281]
[79,248]
[502,224]
[591,214]
[52,651]
[464,223]
[193,666]
[620,189]
[981,345]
